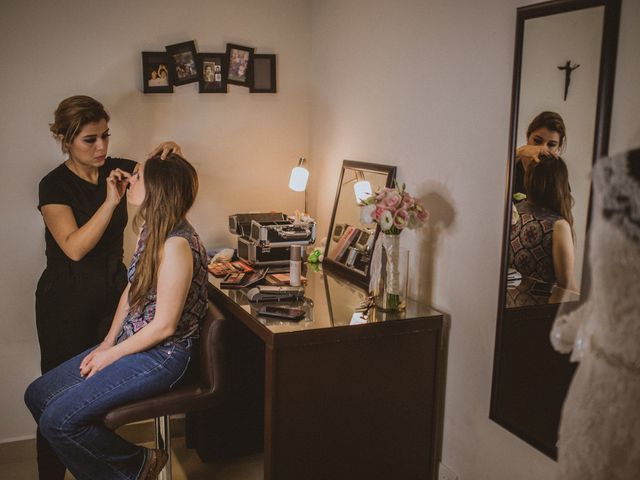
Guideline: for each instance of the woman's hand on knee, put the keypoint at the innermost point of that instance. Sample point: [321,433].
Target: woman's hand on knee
[98,359]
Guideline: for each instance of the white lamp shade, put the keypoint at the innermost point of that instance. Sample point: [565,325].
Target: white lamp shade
[298,179]
[362,190]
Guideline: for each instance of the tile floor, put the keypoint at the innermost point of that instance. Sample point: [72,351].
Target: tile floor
[17,462]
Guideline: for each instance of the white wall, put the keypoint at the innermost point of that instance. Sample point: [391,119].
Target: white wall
[426,85]
[242,144]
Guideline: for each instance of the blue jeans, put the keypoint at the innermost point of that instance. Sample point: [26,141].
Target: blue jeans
[69,408]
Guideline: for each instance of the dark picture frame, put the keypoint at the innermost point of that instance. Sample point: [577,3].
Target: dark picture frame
[263,73]
[183,62]
[156,73]
[212,72]
[240,64]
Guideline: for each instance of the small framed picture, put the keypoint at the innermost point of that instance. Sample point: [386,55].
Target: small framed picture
[239,64]
[183,62]
[156,72]
[212,68]
[263,74]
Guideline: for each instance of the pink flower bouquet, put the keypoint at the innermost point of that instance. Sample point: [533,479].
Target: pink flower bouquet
[394,210]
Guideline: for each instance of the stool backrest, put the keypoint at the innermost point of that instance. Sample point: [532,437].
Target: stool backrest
[212,349]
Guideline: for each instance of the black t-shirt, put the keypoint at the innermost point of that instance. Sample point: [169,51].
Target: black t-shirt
[63,187]
[518,184]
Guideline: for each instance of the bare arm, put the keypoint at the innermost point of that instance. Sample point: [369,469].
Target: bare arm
[529,153]
[174,279]
[563,255]
[77,242]
[116,325]
[118,317]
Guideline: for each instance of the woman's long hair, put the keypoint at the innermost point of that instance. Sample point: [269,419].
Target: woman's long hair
[547,184]
[171,186]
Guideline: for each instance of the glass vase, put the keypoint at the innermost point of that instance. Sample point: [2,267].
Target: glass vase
[391,292]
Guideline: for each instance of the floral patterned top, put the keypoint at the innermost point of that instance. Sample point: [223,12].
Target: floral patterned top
[195,307]
[531,243]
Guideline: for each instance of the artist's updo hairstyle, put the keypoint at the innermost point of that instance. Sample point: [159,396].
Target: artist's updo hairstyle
[72,114]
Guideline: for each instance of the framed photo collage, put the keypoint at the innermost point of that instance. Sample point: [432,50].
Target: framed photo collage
[181,64]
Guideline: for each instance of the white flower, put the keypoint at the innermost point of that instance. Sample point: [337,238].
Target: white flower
[366,213]
[386,220]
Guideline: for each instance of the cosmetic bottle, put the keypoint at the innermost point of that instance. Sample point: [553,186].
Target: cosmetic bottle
[295,265]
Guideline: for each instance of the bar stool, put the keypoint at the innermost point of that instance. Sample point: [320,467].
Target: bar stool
[195,393]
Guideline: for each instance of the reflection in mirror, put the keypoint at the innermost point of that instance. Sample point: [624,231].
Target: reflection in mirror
[350,242]
[344,300]
[561,109]
[556,114]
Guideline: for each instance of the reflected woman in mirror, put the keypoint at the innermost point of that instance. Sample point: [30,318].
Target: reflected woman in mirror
[545,134]
[541,244]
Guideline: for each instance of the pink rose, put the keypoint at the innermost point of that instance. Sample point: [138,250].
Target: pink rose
[381,193]
[377,213]
[401,218]
[392,200]
[407,201]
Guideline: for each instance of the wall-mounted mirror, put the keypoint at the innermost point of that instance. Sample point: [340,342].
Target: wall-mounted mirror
[561,106]
[350,242]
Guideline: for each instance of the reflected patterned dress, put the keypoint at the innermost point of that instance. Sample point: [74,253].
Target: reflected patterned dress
[531,254]
[599,434]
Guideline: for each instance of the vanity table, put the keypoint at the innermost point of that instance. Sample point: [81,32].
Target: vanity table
[345,397]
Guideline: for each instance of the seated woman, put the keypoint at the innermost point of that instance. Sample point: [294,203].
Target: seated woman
[541,244]
[149,345]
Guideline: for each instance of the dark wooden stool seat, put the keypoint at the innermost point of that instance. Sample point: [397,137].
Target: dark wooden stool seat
[203,384]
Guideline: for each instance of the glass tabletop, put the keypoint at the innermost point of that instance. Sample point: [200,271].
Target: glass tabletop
[329,301]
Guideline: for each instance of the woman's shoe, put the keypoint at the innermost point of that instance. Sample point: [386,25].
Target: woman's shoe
[156,460]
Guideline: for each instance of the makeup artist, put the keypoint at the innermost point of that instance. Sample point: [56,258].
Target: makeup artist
[546,134]
[85,214]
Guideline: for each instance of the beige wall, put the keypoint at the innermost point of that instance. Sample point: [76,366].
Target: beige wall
[426,85]
[243,145]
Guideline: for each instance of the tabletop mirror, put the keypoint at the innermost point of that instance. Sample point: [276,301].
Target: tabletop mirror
[562,95]
[350,242]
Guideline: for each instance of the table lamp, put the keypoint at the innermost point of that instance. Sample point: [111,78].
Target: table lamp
[362,187]
[298,180]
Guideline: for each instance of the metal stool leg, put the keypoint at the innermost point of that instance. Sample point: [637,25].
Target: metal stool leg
[163,440]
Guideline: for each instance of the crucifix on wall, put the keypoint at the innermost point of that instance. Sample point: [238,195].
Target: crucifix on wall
[568,68]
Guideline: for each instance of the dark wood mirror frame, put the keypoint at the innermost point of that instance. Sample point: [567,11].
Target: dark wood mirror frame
[530,380]
[336,267]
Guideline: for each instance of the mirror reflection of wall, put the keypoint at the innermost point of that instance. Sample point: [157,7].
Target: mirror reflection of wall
[343,299]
